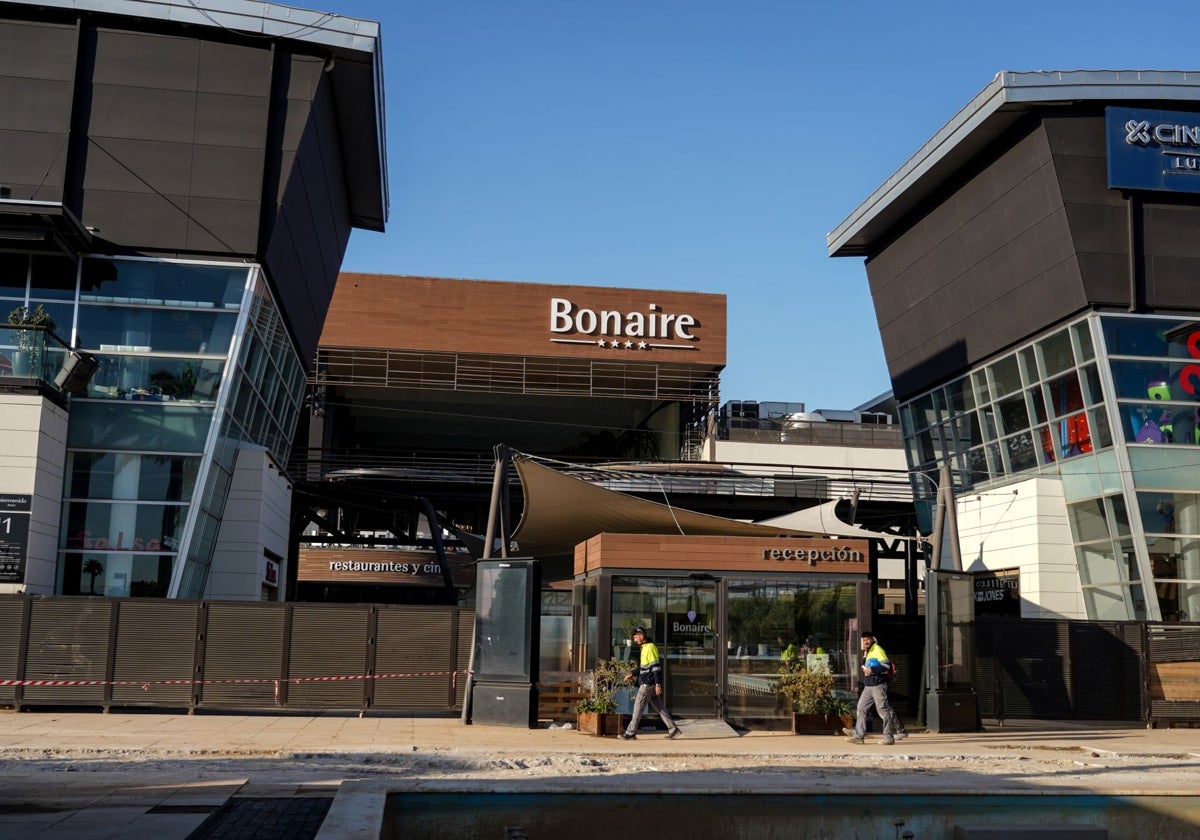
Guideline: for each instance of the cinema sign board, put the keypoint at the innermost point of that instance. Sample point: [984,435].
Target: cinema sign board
[1153,150]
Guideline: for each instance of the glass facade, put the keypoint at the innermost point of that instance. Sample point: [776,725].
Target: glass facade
[1108,406]
[195,362]
[771,620]
[723,641]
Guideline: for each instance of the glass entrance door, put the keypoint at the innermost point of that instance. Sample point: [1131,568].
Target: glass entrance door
[681,616]
[691,650]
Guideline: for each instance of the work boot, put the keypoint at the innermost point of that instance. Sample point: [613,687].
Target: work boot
[675,733]
[887,742]
[854,740]
[901,735]
[625,736]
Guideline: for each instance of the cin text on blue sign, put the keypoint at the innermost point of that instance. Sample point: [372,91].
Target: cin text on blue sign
[1153,150]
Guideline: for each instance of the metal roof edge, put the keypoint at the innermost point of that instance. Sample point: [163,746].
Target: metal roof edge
[1011,88]
[270,20]
[351,37]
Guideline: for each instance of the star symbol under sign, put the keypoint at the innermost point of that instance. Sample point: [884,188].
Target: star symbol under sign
[628,345]
[602,343]
[643,345]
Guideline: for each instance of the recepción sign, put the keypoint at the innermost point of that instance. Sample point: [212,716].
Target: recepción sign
[1153,150]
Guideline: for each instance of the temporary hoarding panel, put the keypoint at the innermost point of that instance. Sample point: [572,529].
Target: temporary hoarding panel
[327,644]
[155,645]
[68,640]
[243,652]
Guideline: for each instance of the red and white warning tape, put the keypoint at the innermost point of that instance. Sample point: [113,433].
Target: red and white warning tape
[146,684]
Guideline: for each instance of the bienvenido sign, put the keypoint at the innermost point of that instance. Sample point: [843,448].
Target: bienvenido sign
[14,537]
[654,329]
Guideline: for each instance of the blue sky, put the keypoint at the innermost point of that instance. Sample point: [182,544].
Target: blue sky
[703,146]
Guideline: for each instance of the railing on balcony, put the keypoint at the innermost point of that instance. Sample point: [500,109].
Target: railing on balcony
[29,352]
[864,435]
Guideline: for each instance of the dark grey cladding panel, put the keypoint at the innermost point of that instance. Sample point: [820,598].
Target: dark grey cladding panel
[324,178]
[313,225]
[1173,232]
[1096,215]
[354,85]
[1099,219]
[1172,254]
[143,113]
[1002,323]
[120,164]
[1079,135]
[236,70]
[160,221]
[37,51]
[1082,181]
[290,274]
[222,225]
[37,71]
[304,79]
[989,263]
[177,133]
[1099,229]
[32,164]
[227,173]
[36,104]
[231,120]
[951,237]
[146,60]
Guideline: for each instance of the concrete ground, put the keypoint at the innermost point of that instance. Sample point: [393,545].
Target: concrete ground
[85,775]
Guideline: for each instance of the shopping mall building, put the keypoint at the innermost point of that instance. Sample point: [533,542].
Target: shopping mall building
[178,184]
[1034,273]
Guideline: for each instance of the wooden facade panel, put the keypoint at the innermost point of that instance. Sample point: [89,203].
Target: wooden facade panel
[1175,681]
[495,318]
[723,554]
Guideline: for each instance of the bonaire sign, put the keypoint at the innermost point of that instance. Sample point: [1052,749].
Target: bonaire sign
[622,330]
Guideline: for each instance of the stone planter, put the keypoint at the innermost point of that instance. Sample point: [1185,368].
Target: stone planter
[601,724]
[805,724]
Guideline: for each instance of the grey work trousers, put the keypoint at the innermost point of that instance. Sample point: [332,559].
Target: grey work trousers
[875,696]
[646,696]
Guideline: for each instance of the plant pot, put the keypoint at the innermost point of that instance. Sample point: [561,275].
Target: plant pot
[601,723]
[817,724]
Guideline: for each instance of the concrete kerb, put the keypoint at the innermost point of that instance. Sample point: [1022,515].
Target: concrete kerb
[357,812]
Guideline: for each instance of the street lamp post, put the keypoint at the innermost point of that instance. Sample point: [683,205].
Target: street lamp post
[949,698]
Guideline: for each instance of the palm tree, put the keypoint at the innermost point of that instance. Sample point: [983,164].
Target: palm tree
[93,568]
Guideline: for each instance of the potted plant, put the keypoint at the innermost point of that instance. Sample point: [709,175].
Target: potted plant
[31,346]
[597,711]
[815,709]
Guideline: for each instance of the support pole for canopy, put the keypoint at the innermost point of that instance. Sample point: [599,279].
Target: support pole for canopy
[435,532]
[498,510]
[497,518]
[946,493]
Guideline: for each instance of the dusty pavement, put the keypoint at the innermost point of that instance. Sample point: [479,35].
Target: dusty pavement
[91,775]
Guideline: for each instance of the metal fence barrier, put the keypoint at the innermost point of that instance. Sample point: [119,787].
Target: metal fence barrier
[118,652]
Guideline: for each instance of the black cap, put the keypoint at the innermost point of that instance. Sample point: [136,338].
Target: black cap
[641,630]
